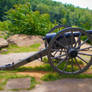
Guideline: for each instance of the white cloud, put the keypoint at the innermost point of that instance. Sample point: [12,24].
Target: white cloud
[81,3]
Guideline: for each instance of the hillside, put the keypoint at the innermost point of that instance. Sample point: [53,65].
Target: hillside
[37,17]
[64,13]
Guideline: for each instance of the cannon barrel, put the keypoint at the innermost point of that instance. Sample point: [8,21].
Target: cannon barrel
[49,36]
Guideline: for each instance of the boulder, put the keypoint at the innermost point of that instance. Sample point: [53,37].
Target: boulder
[3,43]
[24,40]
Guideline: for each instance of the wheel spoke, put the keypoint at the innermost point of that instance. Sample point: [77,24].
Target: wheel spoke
[65,65]
[78,41]
[77,63]
[72,38]
[82,59]
[72,64]
[84,49]
[61,51]
[61,62]
[84,54]
[56,52]
[83,43]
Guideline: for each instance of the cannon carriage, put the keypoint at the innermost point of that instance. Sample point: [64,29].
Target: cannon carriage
[68,50]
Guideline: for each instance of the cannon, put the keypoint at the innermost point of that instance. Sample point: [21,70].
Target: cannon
[68,50]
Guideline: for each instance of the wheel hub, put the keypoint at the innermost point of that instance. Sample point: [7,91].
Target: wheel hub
[72,53]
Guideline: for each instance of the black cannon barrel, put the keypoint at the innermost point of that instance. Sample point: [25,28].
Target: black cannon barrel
[76,34]
[49,36]
[89,31]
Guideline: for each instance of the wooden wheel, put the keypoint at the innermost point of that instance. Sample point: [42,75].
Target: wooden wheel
[70,51]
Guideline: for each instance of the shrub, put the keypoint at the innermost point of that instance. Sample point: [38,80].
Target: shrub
[24,21]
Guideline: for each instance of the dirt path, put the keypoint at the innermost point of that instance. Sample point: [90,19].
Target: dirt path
[37,75]
[65,85]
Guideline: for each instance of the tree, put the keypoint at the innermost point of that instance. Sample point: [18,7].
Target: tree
[25,21]
[5,5]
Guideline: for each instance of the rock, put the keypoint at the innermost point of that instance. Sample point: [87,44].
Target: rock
[19,83]
[24,40]
[3,43]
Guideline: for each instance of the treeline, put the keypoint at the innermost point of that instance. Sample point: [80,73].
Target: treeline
[22,20]
[64,13]
[5,5]
[39,16]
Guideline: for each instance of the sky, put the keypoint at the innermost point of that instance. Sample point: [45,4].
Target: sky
[80,3]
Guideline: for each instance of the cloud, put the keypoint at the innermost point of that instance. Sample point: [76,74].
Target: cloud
[81,3]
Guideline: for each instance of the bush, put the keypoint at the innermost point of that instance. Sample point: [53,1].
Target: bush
[4,25]
[24,21]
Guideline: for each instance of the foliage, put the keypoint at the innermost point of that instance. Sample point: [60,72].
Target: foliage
[4,25]
[35,16]
[25,21]
[57,76]
[64,13]
[5,5]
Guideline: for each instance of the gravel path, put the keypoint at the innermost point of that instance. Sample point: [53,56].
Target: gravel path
[13,57]
[65,85]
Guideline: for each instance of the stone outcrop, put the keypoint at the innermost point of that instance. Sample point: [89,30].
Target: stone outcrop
[3,43]
[24,40]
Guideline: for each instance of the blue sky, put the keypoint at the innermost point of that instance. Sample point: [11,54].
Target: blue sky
[80,3]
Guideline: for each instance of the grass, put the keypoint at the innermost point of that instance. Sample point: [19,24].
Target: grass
[6,75]
[45,67]
[57,76]
[33,83]
[51,75]
[15,49]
